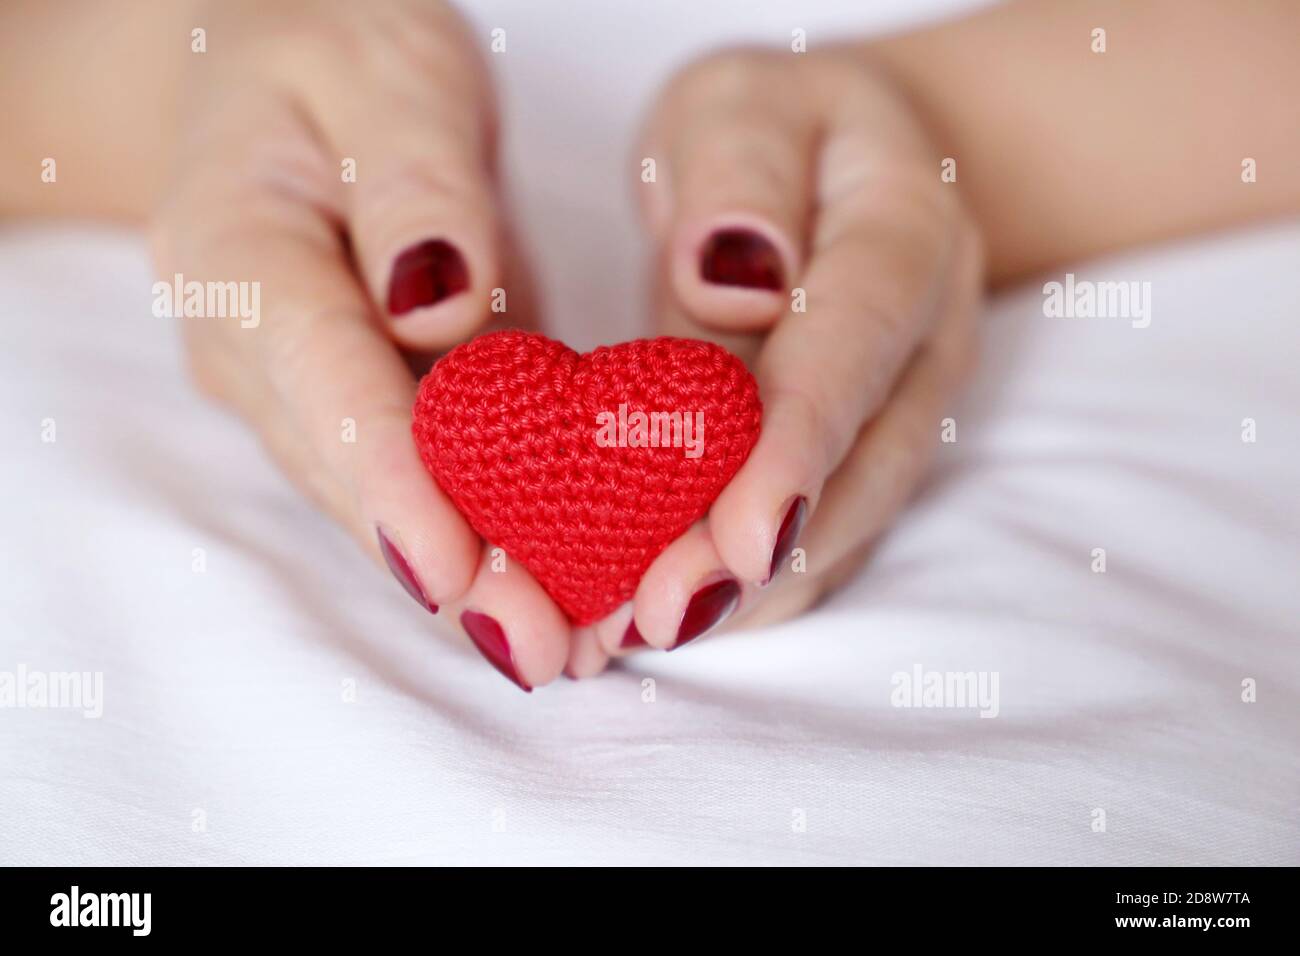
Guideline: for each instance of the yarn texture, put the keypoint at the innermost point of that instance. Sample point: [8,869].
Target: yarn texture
[539,448]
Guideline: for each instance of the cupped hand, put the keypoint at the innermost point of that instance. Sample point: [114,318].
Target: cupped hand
[799,217]
[340,157]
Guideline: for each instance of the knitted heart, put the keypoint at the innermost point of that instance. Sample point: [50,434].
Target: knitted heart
[584,467]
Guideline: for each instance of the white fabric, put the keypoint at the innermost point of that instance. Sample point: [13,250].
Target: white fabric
[226,737]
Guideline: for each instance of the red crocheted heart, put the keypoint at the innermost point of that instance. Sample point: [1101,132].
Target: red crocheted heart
[541,450]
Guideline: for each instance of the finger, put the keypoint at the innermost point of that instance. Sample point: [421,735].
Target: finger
[879,259]
[890,457]
[514,623]
[685,593]
[793,595]
[617,634]
[888,460]
[421,208]
[330,385]
[881,473]
[350,393]
[586,656]
[733,207]
[670,318]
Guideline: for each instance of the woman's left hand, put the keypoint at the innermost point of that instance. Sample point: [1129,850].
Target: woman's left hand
[800,218]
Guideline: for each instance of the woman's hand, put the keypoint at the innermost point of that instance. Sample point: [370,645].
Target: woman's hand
[800,219]
[354,276]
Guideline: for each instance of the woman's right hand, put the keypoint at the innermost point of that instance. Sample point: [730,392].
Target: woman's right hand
[353,276]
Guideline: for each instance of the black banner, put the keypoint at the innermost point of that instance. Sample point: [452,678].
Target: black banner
[334,906]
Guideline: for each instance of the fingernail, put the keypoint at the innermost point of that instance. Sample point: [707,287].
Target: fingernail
[401,569]
[491,642]
[425,274]
[632,637]
[791,525]
[709,607]
[742,257]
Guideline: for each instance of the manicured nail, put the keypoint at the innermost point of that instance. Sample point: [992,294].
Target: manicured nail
[791,525]
[490,639]
[632,637]
[709,607]
[401,569]
[425,274]
[742,257]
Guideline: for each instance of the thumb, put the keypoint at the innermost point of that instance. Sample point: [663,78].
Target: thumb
[421,204]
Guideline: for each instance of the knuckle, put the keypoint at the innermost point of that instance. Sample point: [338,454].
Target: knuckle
[389,43]
[442,181]
[962,359]
[161,245]
[790,597]
[899,462]
[290,347]
[811,413]
[844,570]
[205,374]
[731,71]
[972,254]
[960,347]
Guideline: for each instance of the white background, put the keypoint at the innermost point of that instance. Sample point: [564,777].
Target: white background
[223,691]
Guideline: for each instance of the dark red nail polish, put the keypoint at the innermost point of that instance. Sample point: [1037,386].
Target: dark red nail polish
[425,274]
[490,639]
[401,569]
[632,637]
[742,257]
[791,525]
[709,607]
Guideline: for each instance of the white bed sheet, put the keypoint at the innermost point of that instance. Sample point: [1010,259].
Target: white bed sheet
[226,736]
